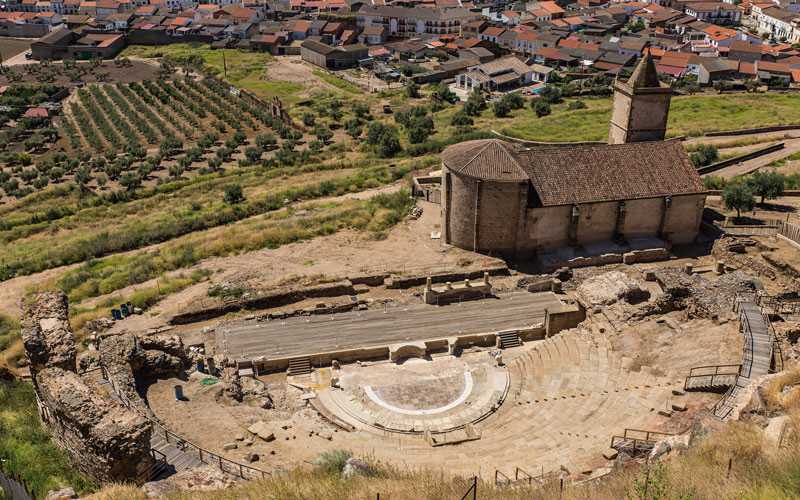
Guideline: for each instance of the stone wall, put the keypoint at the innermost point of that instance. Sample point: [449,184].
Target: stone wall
[494,206]
[638,115]
[685,215]
[46,333]
[507,226]
[104,439]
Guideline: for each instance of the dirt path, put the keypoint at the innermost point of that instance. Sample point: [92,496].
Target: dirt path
[292,69]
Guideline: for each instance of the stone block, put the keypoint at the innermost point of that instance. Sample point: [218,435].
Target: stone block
[679,406]
[62,494]
[229,446]
[628,258]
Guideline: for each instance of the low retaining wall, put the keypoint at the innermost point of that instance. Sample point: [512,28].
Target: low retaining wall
[758,130]
[395,283]
[648,255]
[732,161]
[274,299]
[792,193]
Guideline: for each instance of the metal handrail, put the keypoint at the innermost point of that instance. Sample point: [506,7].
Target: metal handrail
[147,474]
[716,373]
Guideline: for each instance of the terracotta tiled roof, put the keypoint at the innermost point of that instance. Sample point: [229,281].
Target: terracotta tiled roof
[610,172]
[488,159]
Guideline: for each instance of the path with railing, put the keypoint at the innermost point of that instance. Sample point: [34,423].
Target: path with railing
[174,453]
[757,354]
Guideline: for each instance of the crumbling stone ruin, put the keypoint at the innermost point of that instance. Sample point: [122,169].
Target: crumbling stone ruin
[46,333]
[126,356]
[105,440]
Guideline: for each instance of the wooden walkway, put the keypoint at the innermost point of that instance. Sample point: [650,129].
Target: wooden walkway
[177,459]
[757,353]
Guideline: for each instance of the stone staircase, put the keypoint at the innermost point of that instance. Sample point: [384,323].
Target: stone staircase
[299,366]
[509,339]
[710,383]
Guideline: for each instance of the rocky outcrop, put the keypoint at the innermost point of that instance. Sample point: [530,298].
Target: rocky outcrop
[46,333]
[105,440]
[609,288]
[205,478]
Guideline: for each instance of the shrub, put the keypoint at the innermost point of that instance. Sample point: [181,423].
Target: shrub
[501,109]
[573,105]
[233,194]
[461,118]
[332,462]
[706,154]
[541,108]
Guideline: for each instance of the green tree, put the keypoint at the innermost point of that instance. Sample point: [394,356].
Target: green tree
[412,91]
[353,128]
[130,181]
[461,118]
[233,194]
[83,176]
[324,134]
[265,141]
[738,197]
[475,104]
[384,139]
[253,153]
[308,119]
[768,186]
[541,108]
[360,110]
[722,85]
[501,109]
[514,100]
[706,154]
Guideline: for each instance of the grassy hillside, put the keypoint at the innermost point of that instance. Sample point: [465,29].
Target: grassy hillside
[25,445]
[689,115]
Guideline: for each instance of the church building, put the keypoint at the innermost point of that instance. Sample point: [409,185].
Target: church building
[520,203]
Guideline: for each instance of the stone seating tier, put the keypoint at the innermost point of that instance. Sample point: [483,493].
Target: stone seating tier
[566,396]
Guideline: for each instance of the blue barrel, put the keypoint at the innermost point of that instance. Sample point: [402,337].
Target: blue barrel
[178,392]
[116,314]
[124,310]
[200,367]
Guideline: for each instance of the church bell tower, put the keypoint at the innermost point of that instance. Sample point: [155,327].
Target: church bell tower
[641,106]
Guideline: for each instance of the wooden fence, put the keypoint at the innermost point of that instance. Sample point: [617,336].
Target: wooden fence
[15,486]
[769,227]
[790,231]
